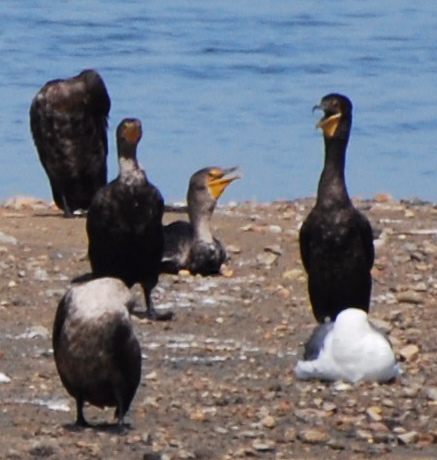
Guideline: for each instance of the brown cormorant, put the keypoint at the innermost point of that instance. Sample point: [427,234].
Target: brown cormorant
[68,120]
[336,240]
[191,245]
[96,352]
[124,222]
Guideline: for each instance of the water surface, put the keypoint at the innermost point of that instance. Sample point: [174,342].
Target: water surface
[226,83]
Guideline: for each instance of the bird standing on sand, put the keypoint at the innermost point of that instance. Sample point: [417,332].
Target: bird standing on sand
[68,120]
[336,240]
[349,349]
[124,222]
[191,245]
[96,352]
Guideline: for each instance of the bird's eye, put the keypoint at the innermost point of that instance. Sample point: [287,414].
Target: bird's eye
[214,173]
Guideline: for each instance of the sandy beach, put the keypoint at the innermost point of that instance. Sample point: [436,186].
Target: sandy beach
[218,380]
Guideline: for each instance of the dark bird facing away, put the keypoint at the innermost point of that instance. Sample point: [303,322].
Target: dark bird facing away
[191,245]
[124,222]
[96,352]
[336,240]
[68,120]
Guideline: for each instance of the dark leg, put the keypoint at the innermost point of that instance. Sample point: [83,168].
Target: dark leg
[80,419]
[119,412]
[67,210]
[151,313]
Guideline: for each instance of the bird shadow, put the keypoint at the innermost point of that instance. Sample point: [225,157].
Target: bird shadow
[58,214]
[83,278]
[112,428]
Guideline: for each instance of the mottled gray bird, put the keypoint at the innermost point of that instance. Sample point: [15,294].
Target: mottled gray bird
[68,120]
[96,352]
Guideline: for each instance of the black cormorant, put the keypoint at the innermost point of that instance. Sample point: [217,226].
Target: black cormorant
[96,352]
[68,120]
[191,245]
[124,222]
[336,240]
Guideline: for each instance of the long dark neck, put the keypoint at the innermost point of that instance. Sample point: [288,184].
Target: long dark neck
[332,186]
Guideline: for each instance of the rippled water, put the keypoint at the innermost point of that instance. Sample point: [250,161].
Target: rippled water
[233,82]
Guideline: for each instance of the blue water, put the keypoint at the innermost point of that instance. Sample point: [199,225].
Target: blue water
[233,83]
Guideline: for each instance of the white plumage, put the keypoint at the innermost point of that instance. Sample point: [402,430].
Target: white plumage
[351,349]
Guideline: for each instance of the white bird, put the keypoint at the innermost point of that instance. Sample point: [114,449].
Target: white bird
[350,349]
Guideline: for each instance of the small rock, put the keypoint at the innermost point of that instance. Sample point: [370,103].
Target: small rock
[411,391]
[151,376]
[388,402]
[151,401]
[221,430]
[40,275]
[421,287]
[233,249]
[251,434]
[410,297]
[313,436]
[342,386]
[374,413]
[292,274]
[7,239]
[4,378]
[329,406]
[381,324]
[290,435]
[429,248]
[57,293]
[310,415]
[243,452]
[269,422]
[383,198]
[365,435]
[263,445]
[426,439]
[186,455]
[408,438]
[38,331]
[431,393]
[274,229]
[399,430]
[336,444]
[198,416]
[378,427]
[266,258]
[409,352]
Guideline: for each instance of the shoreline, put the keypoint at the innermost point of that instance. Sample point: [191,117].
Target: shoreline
[23,201]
